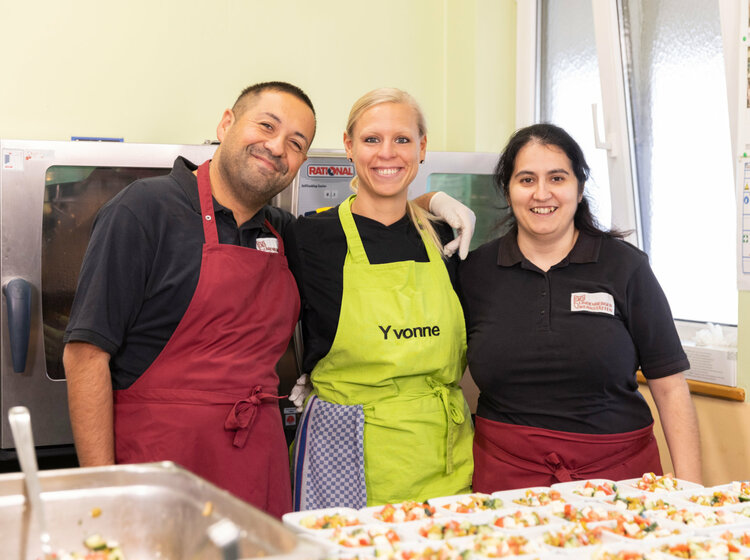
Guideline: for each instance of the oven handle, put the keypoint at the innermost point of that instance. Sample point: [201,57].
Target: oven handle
[18,300]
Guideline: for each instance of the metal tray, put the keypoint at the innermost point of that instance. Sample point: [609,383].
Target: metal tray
[156,511]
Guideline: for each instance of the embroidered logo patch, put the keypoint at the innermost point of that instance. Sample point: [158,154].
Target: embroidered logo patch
[267,244]
[598,302]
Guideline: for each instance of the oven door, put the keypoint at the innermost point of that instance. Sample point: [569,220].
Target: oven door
[50,193]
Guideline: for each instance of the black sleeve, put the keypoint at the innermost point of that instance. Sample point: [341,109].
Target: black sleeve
[113,278]
[650,323]
[316,258]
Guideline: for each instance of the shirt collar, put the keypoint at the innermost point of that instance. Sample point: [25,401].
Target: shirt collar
[183,173]
[585,250]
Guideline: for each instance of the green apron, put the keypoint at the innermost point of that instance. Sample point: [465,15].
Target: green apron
[400,351]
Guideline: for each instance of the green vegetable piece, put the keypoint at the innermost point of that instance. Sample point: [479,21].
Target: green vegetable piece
[95,542]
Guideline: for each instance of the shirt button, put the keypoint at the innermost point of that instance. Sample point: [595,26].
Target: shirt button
[544,294]
[542,312]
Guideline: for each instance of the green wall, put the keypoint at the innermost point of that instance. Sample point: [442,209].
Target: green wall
[164,71]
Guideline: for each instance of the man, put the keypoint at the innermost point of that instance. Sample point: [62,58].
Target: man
[185,304]
[188,335]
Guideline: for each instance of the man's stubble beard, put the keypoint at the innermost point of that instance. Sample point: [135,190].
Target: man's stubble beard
[250,185]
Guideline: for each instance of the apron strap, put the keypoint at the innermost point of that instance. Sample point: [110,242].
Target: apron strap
[276,234]
[557,467]
[243,412]
[353,241]
[210,234]
[356,247]
[454,415]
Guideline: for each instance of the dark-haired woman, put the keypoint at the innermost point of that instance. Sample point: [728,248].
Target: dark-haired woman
[560,316]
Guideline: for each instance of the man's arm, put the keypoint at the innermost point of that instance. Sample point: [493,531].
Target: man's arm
[90,403]
[680,424]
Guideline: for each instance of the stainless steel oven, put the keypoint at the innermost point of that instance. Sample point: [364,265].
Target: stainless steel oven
[50,193]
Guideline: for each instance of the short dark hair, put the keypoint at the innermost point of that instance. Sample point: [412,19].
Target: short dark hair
[548,134]
[257,89]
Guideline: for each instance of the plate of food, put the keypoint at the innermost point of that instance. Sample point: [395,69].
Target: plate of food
[442,529]
[316,520]
[584,512]
[404,512]
[520,519]
[366,539]
[640,503]
[697,517]
[530,497]
[632,526]
[572,536]
[654,483]
[502,545]
[432,551]
[694,547]
[466,503]
[712,498]
[593,489]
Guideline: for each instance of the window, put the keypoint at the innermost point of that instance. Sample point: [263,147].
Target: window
[654,70]
[570,87]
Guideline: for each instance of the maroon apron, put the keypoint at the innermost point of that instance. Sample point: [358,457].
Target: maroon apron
[508,456]
[209,401]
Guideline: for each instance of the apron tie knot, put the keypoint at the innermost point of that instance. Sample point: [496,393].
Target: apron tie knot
[241,417]
[455,416]
[558,468]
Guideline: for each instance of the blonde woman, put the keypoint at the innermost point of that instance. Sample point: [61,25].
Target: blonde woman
[384,332]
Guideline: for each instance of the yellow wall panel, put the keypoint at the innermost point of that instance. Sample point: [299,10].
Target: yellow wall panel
[164,71]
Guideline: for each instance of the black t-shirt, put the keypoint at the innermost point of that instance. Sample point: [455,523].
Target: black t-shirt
[559,350]
[142,265]
[317,250]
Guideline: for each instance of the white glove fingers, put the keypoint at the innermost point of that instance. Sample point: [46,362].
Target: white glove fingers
[463,246]
[450,248]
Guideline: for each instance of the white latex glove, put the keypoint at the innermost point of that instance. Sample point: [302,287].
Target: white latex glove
[459,217]
[302,388]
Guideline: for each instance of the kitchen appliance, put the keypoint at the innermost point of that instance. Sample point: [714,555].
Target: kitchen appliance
[49,195]
[153,510]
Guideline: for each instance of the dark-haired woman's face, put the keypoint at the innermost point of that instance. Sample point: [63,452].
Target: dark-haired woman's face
[543,192]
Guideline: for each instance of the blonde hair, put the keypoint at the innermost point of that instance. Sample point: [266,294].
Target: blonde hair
[421,219]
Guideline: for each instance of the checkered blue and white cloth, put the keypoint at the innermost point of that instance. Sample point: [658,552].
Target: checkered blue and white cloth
[329,464]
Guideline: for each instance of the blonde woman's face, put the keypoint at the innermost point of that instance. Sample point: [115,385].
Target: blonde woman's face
[386,149]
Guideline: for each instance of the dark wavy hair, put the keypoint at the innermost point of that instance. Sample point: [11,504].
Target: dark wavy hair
[550,135]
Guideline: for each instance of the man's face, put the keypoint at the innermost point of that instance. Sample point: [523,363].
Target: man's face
[264,145]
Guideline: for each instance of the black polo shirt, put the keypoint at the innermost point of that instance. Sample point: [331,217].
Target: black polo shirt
[559,350]
[142,265]
[317,250]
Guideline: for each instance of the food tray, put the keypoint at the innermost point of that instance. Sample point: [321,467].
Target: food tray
[154,510]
